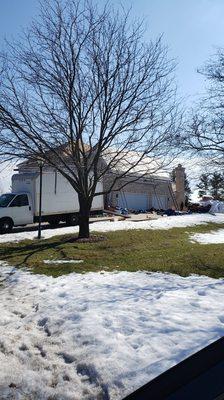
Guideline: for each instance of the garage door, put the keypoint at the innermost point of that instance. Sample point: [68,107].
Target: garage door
[134,201]
[160,202]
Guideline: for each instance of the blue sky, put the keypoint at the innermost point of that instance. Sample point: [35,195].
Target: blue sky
[192,29]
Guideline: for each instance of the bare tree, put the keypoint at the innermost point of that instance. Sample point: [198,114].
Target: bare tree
[82,80]
[206,131]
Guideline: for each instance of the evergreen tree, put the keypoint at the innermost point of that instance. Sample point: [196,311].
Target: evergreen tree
[217,186]
[203,185]
[212,185]
[173,176]
[187,190]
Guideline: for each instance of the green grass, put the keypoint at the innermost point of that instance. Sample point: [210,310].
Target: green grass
[158,250]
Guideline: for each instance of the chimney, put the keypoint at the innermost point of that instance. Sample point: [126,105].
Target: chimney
[180,186]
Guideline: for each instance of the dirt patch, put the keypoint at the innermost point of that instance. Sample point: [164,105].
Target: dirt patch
[91,239]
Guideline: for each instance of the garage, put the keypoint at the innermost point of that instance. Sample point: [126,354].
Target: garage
[160,202]
[133,201]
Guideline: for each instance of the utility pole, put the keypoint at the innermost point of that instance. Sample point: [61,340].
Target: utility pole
[40,163]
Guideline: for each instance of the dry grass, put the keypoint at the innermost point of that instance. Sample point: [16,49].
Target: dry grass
[151,250]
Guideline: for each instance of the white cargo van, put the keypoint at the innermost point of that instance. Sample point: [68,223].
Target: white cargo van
[59,201]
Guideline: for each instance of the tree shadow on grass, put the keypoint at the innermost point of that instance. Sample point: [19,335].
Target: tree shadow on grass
[9,252]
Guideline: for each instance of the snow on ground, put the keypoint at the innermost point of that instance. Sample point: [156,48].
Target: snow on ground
[63,261]
[105,226]
[100,335]
[208,238]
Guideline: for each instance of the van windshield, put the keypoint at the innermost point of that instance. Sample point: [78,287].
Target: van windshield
[5,199]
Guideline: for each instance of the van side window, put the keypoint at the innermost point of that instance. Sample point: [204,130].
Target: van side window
[20,200]
[24,200]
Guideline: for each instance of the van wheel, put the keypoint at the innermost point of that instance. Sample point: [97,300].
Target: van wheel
[54,222]
[6,225]
[72,219]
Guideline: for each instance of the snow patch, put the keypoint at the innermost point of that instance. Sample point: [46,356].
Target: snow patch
[100,335]
[63,261]
[214,237]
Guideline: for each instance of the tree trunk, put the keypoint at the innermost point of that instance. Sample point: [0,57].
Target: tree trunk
[84,212]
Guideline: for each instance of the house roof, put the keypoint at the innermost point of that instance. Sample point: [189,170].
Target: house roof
[148,166]
[119,162]
[62,151]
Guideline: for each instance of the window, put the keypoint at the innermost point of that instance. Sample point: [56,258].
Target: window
[5,199]
[20,200]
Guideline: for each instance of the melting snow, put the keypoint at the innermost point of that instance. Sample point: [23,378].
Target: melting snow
[105,226]
[100,335]
[208,238]
[63,261]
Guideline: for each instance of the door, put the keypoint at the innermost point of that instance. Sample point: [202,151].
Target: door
[133,201]
[21,210]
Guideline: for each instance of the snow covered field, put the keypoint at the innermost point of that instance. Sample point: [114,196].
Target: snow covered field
[211,237]
[100,335]
[105,226]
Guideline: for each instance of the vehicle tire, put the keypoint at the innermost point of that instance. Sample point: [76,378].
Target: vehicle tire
[72,219]
[6,225]
[54,222]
